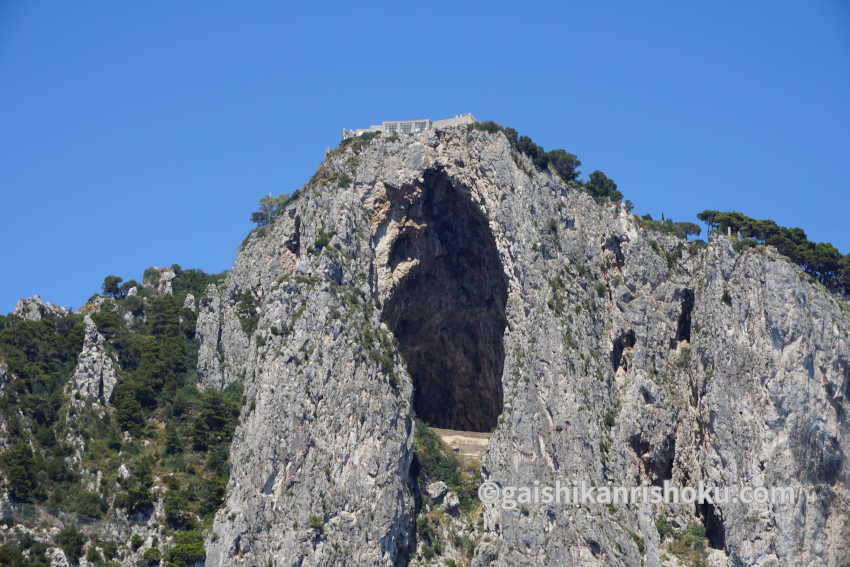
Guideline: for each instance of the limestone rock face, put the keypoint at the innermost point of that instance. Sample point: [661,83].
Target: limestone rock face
[437,490]
[5,377]
[442,273]
[57,557]
[159,279]
[320,464]
[96,372]
[34,309]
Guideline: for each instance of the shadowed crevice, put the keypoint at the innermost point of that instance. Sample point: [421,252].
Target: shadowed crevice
[715,532]
[626,339]
[683,328]
[448,311]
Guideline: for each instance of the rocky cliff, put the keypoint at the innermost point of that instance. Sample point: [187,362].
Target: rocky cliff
[443,275]
[436,279]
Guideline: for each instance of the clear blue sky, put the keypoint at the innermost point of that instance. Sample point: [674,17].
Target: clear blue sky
[142,133]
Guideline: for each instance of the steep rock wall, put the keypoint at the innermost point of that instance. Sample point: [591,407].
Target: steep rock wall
[626,357]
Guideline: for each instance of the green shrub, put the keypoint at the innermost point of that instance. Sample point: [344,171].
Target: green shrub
[152,557]
[26,553]
[85,503]
[41,354]
[317,523]
[20,471]
[188,549]
[665,530]
[427,532]
[173,441]
[601,187]
[128,410]
[487,126]
[135,497]
[212,495]
[678,229]
[344,180]
[601,289]
[178,515]
[438,462]
[92,556]
[216,419]
[271,208]
[561,161]
[247,312]
[72,542]
[684,358]
[565,164]
[741,245]
[151,277]
[112,286]
[689,546]
[322,240]
[109,549]
[639,542]
[359,142]
[193,281]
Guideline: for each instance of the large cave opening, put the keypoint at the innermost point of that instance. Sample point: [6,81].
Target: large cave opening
[448,311]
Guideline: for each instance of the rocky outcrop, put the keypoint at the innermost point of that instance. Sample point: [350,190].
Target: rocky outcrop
[94,305]
[159,279]
[57,557]
[96,372]
[5,377]
[223,355]
[321,461]
[34,309]
[442,272]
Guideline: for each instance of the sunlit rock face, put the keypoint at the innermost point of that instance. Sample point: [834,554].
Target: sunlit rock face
[441,275]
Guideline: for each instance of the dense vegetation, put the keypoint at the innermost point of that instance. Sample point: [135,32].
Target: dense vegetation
[820,260]
[435,461]
[158,425]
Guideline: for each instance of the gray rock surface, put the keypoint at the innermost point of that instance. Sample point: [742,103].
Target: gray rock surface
[437,490]
[159,279]
[34,309]
[5,377]
[96,372]
[321,460]
[57,557]
[626,357]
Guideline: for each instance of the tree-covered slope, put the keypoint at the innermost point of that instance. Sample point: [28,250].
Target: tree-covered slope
[132,475]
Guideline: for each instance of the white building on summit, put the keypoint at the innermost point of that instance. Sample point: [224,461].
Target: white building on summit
[410,126]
